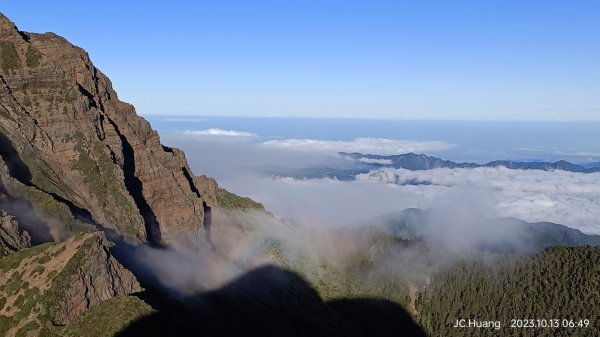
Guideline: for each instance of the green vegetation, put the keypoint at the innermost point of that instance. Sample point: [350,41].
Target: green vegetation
[13,285]
[69,94]
[14,259]
[46,181]
[61,283]
[37,270]
[33,57]
[560,283]
[26,102]
[60,212]
[47,332]
[41,174]
[98,173]
[556,284]
[44,178]
[26,302]
[5,324]
[348,279]
[91,172]
[44,259]
[27,297]
[37,308]
[229,200]
[59,251]
[52,274]
[24,331]
[4,113]
[109,317]
[333,282]
[10,57]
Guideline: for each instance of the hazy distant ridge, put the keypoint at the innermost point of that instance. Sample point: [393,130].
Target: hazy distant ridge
[415,162]
[412,162]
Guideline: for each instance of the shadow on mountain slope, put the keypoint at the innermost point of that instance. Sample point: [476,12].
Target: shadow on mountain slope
[270,301]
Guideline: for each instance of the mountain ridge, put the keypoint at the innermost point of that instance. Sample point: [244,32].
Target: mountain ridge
[69,147]
[83,177]
[413,161]
[363,163]
[515,235]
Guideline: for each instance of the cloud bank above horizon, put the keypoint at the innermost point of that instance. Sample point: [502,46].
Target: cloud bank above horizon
[364,145]
[383,146]
[216,132]
[567,198]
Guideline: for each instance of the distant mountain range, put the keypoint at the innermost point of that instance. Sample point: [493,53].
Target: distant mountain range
[364,163]
[503,235]
[592,165]
[415,162]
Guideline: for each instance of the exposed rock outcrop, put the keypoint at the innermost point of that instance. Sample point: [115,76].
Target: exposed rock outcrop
[76,163]
[54,283]
[93,275]
[12,239]
[68,140]
[208,188]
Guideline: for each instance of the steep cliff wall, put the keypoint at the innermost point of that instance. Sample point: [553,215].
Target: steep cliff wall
[74,159]
[12,237]
[71,147]
[50,285]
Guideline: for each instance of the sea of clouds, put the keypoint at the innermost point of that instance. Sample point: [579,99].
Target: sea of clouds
[317,222]
[568,198]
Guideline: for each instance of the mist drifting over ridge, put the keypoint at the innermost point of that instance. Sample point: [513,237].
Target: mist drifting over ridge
[561,197]
[106,230]
[326,222]
[410,246]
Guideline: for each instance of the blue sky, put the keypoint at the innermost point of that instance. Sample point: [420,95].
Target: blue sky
[474,60]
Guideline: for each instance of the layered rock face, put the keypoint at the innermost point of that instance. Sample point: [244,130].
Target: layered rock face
[70,146]
[51,285]
[77,165]
[93,276]
[12,238]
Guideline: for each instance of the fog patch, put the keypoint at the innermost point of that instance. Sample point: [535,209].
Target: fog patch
[325,222]
[568,198]
[562,197]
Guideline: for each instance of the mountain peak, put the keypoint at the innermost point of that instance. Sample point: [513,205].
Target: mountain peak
[74,150]
[7,27]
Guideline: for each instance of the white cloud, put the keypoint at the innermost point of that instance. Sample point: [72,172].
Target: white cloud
[214,132]
[364,145]
[375,161]
[568,198]
[184,119]
[323,202]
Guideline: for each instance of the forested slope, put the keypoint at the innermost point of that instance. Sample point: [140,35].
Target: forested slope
[561,283]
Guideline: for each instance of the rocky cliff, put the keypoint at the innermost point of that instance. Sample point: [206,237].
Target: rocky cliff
[51,285]
[77,165]
[72,149]
[12,237]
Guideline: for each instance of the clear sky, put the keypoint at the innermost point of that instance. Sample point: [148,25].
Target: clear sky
[447,59]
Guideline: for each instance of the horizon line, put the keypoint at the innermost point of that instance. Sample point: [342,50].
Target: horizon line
[184,116]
